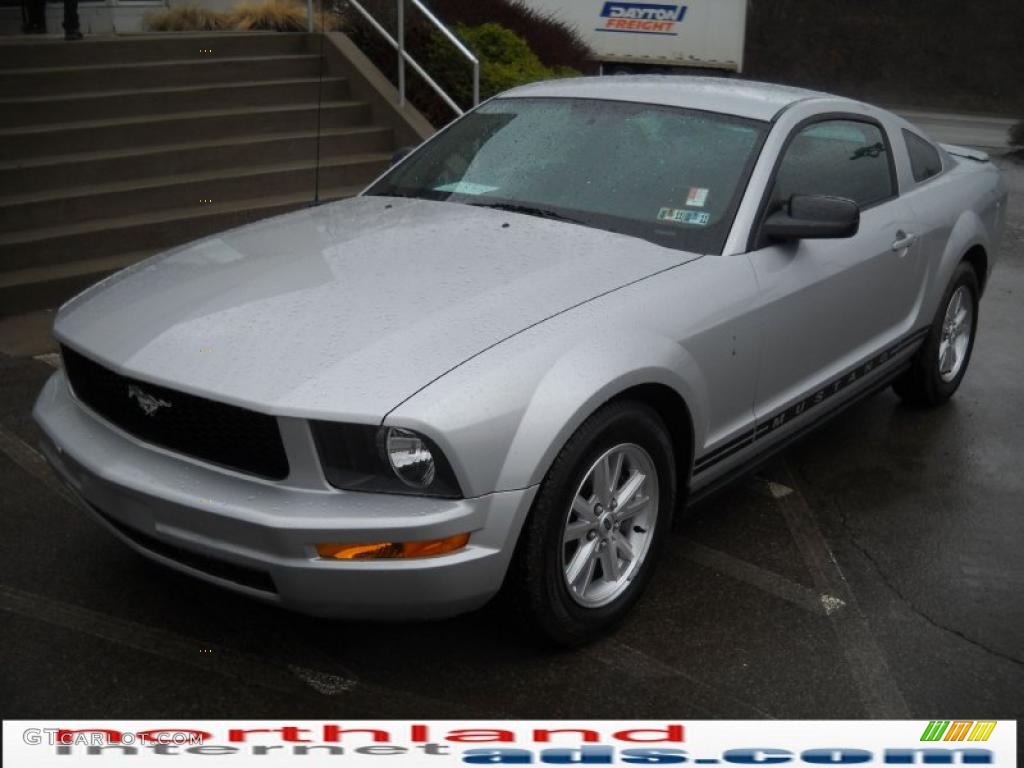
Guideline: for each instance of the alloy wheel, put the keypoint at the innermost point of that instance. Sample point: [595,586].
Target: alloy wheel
[610,525]
[957,327]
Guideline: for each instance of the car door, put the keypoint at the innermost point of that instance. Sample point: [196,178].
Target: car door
[830,307]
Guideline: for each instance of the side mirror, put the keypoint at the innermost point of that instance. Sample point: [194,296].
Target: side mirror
[813,216]
[400,153]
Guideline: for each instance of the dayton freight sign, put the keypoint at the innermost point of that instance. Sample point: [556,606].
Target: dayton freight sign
[645,18]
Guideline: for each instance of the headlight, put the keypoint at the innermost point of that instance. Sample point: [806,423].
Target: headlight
[409,457]
[356,457]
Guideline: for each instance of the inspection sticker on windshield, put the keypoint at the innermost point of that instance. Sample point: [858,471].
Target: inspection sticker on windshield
[683,216]
[465,188]
[697,197]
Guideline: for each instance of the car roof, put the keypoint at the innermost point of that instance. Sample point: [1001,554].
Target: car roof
[731,96]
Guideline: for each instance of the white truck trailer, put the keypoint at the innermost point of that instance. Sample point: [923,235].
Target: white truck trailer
[657,37]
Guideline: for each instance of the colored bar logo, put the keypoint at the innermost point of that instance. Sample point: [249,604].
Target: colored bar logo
[958,730]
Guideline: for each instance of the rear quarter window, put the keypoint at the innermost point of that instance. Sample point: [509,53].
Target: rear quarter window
[925,161]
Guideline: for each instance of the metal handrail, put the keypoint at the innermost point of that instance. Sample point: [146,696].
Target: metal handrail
[404,57]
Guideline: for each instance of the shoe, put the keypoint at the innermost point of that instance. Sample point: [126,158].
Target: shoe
[33,29]
[75,35]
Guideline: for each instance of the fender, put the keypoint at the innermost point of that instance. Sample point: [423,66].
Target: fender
[556,411]
[539,394]
[968,231]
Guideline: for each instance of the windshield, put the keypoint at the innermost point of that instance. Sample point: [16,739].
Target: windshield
[665,174]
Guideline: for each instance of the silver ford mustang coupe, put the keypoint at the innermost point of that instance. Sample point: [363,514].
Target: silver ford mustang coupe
[523,348]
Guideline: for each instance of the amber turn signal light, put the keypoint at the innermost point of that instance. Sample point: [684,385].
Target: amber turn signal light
[387,550]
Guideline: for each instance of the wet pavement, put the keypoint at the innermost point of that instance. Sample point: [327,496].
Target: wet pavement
[874,569]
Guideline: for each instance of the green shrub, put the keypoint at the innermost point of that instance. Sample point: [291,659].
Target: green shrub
[556,43]
[506,60]
[558,47]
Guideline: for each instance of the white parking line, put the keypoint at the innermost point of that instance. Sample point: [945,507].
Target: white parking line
[176,648]
[251,669]
[879,693]
[631,662]
[763,579]
[323,682]
[32,461]
[134,635]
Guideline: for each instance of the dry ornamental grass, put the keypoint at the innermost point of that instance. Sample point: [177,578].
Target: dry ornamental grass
[273,15]
[262,15]
[186,18]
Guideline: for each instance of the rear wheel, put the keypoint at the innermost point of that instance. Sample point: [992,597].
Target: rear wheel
[597,525]
[939,366]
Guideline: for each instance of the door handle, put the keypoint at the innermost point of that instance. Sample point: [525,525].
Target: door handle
[903,240]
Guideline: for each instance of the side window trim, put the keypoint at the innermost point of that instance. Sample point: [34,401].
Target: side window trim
[825,117]
[943,165]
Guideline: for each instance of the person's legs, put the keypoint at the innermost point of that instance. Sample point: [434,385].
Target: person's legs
[71,30]
[33,14]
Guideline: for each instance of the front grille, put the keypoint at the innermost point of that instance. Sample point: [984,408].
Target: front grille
[239,574]
[221,434]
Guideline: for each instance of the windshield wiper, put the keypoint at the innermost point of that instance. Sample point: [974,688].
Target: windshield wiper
[531,210]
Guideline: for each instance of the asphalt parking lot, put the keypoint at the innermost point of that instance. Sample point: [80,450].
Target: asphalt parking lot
[874,569]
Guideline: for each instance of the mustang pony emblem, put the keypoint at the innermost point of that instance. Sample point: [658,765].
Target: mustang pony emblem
[146,401]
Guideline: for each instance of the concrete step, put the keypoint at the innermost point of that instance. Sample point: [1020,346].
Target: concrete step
[52,81]
[135,163]
[62,244]
[33,52]
[49,285]
[101,201]
[107,105]
[149,130]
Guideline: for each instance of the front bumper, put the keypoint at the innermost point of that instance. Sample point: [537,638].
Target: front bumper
[257,537]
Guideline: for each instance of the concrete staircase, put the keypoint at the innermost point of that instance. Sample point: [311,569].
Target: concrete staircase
[113,149]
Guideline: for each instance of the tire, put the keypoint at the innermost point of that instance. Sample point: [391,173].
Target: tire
[931,381]
[568,521]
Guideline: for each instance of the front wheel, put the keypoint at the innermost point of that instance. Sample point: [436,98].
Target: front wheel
[939,366]
[597,525]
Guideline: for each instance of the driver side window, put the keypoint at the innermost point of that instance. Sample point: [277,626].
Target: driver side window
[840,158]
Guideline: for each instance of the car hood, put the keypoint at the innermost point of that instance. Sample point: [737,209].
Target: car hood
[347,309]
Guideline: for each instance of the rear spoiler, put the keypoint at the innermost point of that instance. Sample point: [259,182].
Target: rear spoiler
[970,154]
